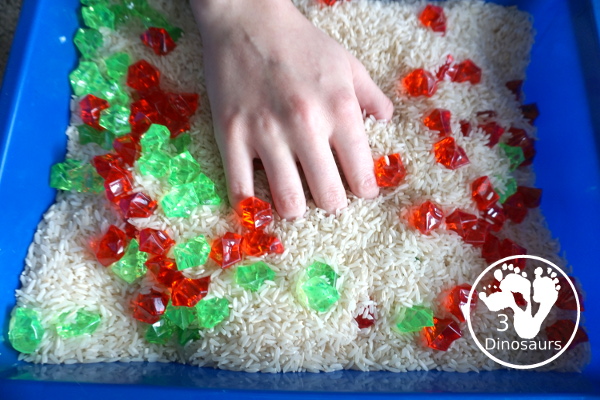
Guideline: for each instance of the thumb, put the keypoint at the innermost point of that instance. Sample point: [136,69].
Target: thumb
[370,97]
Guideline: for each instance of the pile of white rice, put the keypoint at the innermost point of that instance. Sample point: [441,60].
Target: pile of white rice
[383,263]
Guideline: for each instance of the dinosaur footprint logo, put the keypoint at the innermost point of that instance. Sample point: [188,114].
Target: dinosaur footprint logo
[543,291]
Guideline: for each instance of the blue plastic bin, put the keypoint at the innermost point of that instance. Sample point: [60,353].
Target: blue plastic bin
[563,78]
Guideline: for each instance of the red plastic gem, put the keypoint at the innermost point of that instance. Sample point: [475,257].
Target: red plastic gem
[111,247]
[184,104]
[142,76]
[155,241]
[90,107]
[434,18]
[128,148]
[509,248]
[426,217]
[441,335]
[226,250]
[131,231]
[141,116]
[460,222]
[532,197]
[257,243]
[530,112]
[137,205]
[117,185]
[389,170]
[465,127]
[364,322]
[150,306]
[446,69]
[483,193]
[164,270]
[515,87]
[494,217]
[188,292]
[449,154]
[457,299]
[514,208]
[439,121]
[159,40]
[562,330]
[327,2]
[566,298]
[467,71]
[107,163]
[420,83]
[519,138]
[256,213]
[477,234]
[494,131]
[491,249]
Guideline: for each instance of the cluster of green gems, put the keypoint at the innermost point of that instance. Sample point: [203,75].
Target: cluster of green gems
[185,322]
[25,329]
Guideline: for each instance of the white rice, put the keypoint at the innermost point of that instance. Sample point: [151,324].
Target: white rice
[382,262]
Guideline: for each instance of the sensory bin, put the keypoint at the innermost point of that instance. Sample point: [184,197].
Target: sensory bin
[141,257]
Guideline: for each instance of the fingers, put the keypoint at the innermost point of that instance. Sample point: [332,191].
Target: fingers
[353,151]
[369,96]
[284,181]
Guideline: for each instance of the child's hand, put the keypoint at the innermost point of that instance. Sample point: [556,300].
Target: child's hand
[281,90]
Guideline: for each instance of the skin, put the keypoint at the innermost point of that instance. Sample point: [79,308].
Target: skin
[282,91]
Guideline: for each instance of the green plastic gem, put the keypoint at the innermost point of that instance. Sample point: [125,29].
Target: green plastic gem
[511,188]
[117,65]
[212,311]
[182,317]
[323,270]
[160,332]
[253,276]
[181,142]
[114,93]
[515,155]
[131,266]
[61,174]
[180,201]
[88,41]
[183,169]
[414,319]
[152,18]
[86,78]
[88,180]
[188,335]
[205,191]
[25,330]
[98,16]
[155,138]
[116,119]
[123,16]
[93,2]
[77,176]
[155,163]
[192,253]
[78,323]
[320,295]
[87,134]
[136,5]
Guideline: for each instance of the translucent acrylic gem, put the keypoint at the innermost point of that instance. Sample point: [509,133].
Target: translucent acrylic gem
[155,241]
[258,243]
[111,246]
[149,307]
[107,163]
[86,78]
[494,216]
[514,208]
[253,276]
[188,335]
[155,163]
[566,298]
[183,168]
[212,312]
[365,321]
[320,295]
[434,18]
[420,83]
[180,201]
[494,131]
[255,213]
[98,16]
[88,41]
[160,332]
[477,234]
[81,322]
[128,148]
[116,65]
[562,330]
[205,191]
[467,71]
[510,189]
[456,302]
[117,185]
[520,138]
[191,253]
[442,334]
[131,266]
[516,88]
[530,112]
[322,270]
[509,248]
[164,270]
[116,119]
[532,197]
[75,176]
[491,249]
[460,222]
[188,292]
[446,70]
[483,193]
[142,76]
[137,205]
[414,319]
[25,330]
[159,40]
[181,143]
[389,170]
[155,138]
[450,154]
[181,317]
[226,250]
[426,217]
[465,128]
[103,138]
[514,154]
[439,121]
[90,107]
